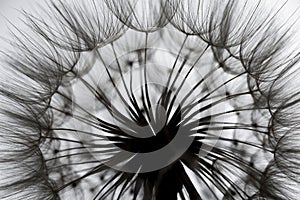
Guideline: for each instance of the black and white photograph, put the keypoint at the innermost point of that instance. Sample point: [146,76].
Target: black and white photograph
[149,100]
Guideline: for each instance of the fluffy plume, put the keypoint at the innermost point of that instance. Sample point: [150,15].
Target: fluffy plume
[162,99]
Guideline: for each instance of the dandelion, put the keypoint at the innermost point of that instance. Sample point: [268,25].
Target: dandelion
[162,99]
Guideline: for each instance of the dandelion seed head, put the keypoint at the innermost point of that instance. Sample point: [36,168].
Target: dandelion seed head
[161,99]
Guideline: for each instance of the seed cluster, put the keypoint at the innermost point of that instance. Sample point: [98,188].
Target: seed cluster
[161,99]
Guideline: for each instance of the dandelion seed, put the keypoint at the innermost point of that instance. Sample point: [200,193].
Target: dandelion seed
[161,99]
